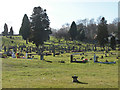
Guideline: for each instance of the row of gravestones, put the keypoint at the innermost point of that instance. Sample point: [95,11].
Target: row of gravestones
[18,38]
[52,49]
[106,55]
[87,48]
[30,49]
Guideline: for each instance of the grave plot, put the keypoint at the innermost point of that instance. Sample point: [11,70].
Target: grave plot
[105,59]
[77,58]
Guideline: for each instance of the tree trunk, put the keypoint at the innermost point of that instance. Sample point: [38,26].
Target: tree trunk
[41,52]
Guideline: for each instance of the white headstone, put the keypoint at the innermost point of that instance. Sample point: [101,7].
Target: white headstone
[13,55]
[26,55]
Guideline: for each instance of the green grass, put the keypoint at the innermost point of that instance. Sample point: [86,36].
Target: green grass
[35,73]
[27,73]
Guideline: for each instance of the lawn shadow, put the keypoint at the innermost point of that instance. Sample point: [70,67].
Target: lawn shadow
[80,82]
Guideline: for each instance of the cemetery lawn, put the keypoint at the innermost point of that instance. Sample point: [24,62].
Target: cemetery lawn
[35,73]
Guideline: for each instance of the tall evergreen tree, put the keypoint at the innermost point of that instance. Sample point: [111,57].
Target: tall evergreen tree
[25,28]
[73,31]
[11,31]
[5,32]
[40,29]
[102,34]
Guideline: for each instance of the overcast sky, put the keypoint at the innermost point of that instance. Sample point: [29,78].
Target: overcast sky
[59,11]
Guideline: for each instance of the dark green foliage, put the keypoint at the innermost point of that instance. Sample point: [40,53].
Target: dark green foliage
[102,34]
[40,26]
[11,31]
[73,31]
[113,42]
[25,28]
[38,38]
[5,32]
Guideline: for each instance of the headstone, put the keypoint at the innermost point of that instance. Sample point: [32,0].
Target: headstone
[30,49]
[73,48]
[105,55]
[13,55]
[82,58]
[117,57]
[90,58]
[106,61]
[61,61]
[101,57]
[75,78]
[106,51]
[95,58]
[26,55]
[71,58]
[41,56]
[53,51]
[4,48]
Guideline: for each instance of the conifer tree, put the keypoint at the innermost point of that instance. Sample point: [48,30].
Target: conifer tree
[11,31]
[73,31]
[102,34]
[5,32]
[25,28]
[40,29]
